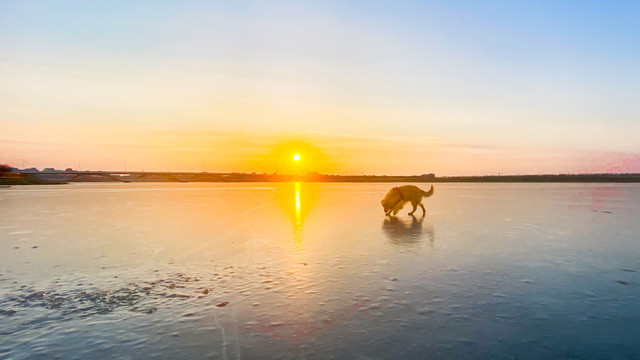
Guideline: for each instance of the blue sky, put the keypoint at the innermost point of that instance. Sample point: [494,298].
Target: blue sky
[514,79]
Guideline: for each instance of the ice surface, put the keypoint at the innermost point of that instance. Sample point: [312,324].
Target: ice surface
[288,271]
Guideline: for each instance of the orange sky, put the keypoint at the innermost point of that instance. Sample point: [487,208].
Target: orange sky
[178,149]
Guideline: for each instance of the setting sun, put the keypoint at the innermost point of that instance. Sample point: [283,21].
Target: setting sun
[296,157]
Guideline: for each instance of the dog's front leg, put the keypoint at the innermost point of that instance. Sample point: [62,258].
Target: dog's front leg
[397,207]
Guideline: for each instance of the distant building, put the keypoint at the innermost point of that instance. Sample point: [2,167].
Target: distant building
[53,170]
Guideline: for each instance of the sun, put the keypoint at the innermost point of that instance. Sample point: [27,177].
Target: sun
[296,157]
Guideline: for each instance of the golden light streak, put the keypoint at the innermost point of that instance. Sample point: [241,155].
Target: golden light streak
[297,237]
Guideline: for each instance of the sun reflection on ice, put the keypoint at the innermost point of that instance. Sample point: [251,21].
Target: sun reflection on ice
[297,233]
[297,200]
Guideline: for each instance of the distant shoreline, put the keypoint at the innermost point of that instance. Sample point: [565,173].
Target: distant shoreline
[44,178]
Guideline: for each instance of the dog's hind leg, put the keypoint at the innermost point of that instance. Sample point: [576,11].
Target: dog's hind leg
[423,210]
[415,206]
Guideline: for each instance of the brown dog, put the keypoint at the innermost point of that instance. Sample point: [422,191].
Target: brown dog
[400,195]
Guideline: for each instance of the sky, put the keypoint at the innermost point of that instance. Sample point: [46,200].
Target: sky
[356,87]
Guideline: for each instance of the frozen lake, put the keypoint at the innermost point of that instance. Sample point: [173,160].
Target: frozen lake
[315,271]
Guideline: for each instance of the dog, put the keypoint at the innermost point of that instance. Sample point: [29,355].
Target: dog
[400,195]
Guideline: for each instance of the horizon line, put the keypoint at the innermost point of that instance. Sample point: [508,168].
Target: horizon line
[311,173]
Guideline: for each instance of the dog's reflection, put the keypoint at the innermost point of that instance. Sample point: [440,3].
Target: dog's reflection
[411,232]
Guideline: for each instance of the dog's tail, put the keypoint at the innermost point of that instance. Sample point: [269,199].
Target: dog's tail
[428,193]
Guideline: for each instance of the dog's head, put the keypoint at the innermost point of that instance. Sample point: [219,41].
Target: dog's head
[390,201]
[385,206]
